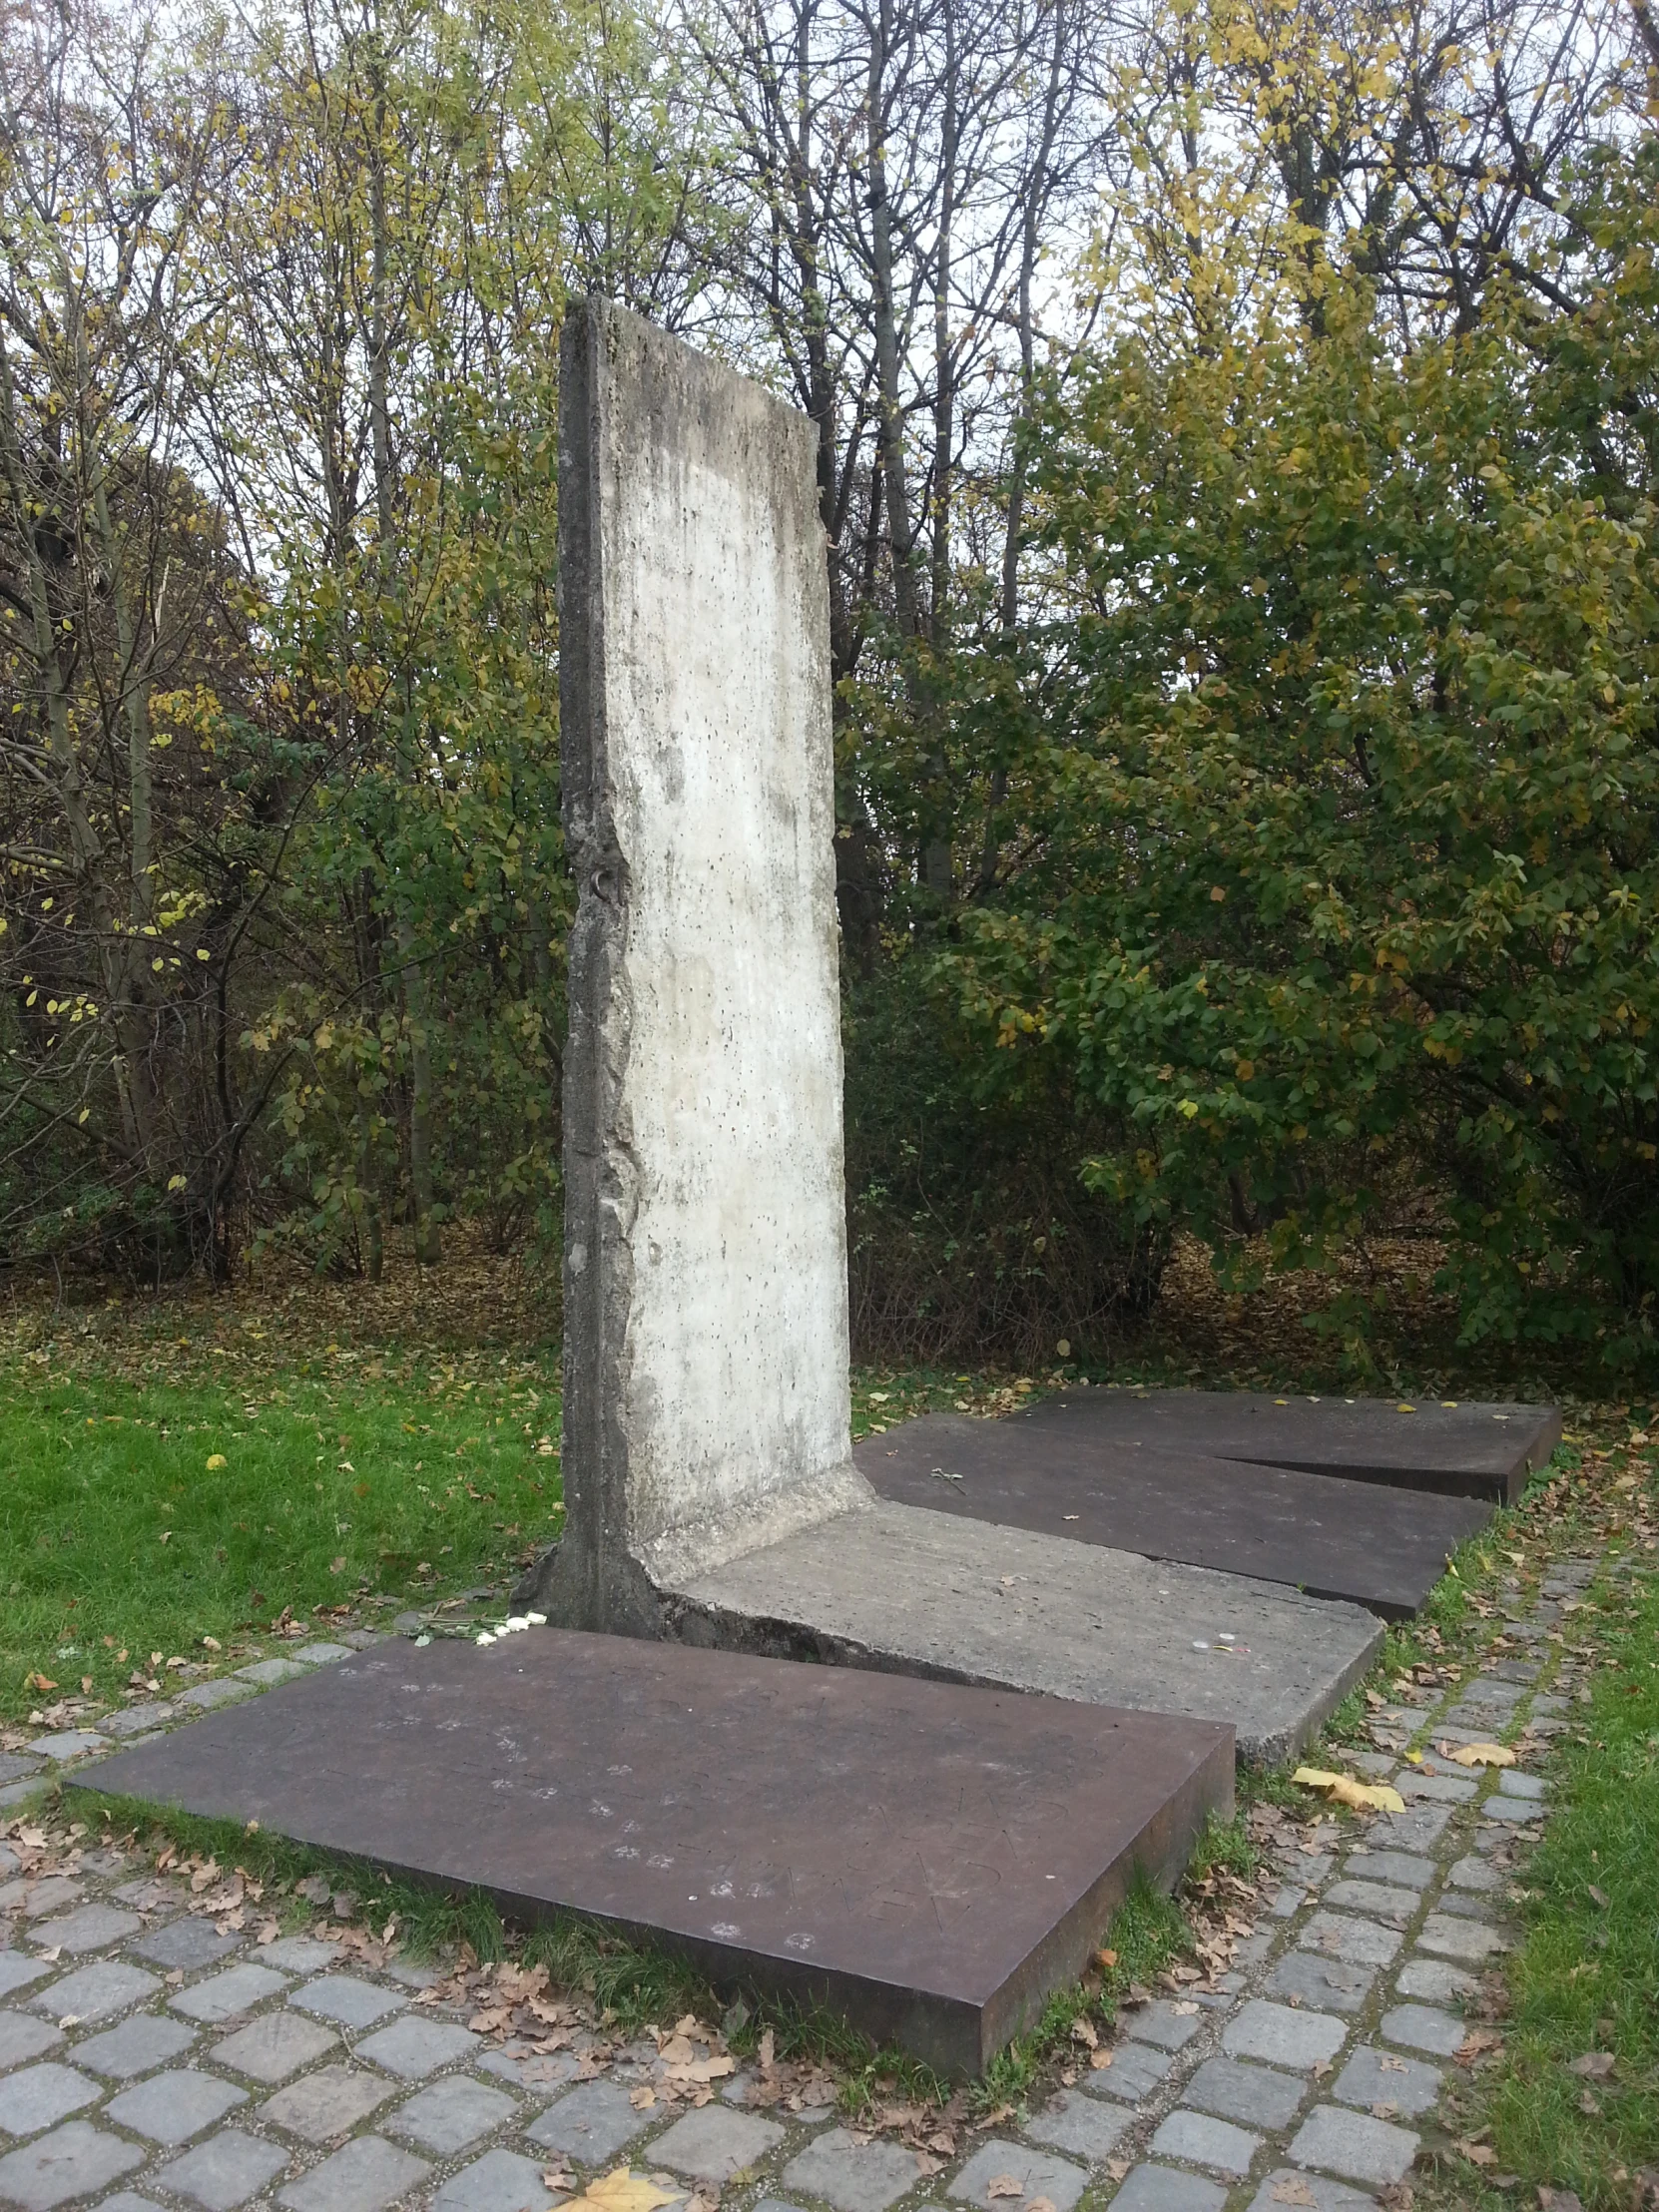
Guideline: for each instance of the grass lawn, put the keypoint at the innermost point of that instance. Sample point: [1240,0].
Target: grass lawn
[1584,1985]
[142,1513]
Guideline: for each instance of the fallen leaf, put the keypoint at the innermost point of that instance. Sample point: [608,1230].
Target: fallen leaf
[38,1681]
[1083,2031]
[1595,2066]
[641,2099]
[1292,2190]
[1040,2204]
[1559,2200]
[1373,1797]
[1598,1897]
[1477,2154]
[1004,2185]
[1099,2060]
[1476,2043]
[623,2191]
[554,2177]
[1484,1755]
[1105,1960]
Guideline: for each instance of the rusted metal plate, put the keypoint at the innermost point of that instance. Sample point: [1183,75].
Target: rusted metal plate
[1382,1547]
[929,1859]
[1468,1449]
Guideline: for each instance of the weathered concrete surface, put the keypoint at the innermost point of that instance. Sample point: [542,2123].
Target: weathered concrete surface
[910,1591]
[1383,1547]
[706,1346]
[1472,1449]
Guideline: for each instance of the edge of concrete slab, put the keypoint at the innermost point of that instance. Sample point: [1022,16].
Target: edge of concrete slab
[902,1590]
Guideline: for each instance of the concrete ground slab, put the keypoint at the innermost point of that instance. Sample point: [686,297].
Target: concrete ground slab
[1469,1450]
[1380,1546]
[898,1587]
[817,1797]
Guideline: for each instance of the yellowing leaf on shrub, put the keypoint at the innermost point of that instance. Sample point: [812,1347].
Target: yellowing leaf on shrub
[1369,1797]
[623,2191]
[1484,1755]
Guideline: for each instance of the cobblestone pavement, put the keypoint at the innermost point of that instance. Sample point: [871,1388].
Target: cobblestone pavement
[151,2056]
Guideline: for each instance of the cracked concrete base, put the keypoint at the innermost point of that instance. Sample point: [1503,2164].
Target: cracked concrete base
[907,1591]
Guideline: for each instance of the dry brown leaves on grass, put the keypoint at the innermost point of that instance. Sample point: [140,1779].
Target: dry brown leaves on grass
[281,1311]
